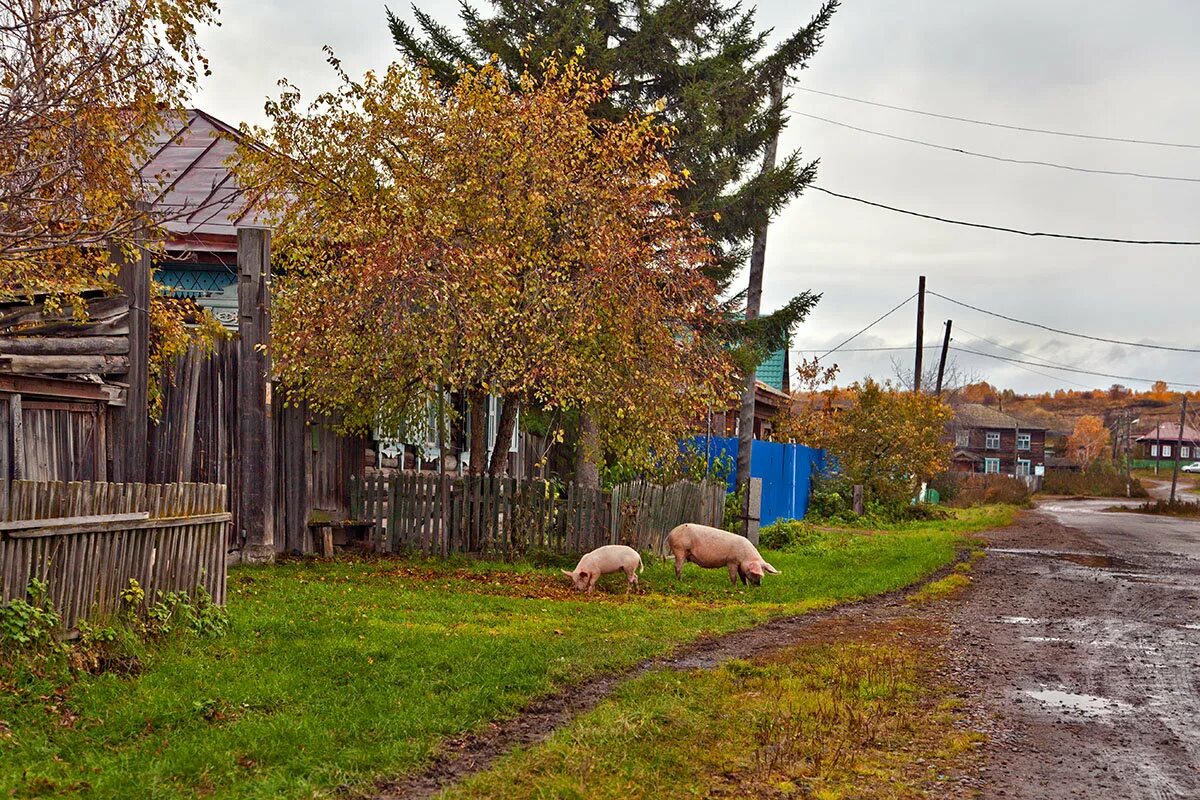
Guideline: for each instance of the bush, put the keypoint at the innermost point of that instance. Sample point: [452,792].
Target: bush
[978,490]
[792,534]
[1098,480]
[1180,508]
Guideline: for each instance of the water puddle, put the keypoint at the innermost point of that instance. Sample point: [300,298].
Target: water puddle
[1020,621]
[1094,560]
[1192,627]
[1045,639]
[1084,704]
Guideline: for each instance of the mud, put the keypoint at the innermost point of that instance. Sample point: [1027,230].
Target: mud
[463,756]
[1073,642]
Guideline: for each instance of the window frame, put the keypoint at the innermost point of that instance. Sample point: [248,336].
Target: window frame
[990,462]
[1028,467]
[1027,438]
[989,438]
[962,438]
[1154,451]
[1166,451]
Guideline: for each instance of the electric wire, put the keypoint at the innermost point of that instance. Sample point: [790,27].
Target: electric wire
[1004,229]
[1023,128]
[1064,332]
[990,157]
[1073,369]
[895,308]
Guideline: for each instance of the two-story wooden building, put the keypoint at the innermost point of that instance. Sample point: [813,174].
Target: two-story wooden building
[988,441]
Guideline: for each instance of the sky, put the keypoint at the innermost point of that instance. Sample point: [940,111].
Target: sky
[1100,67]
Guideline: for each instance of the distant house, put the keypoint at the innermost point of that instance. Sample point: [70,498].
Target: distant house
[1163,441]
[990,442]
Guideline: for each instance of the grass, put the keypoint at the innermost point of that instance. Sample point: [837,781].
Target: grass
[336,673]
[857,712]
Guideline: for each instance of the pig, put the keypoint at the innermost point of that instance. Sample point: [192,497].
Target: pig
[713,548]
[603,560]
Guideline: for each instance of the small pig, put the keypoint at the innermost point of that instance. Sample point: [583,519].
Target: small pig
[713,548]
[603,560]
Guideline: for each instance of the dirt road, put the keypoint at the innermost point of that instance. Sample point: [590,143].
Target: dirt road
[1081,637]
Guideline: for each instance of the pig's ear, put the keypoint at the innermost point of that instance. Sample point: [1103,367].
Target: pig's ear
[770,569]
[568,574]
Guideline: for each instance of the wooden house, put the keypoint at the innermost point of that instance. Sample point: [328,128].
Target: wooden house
[1164,442]
[988,441]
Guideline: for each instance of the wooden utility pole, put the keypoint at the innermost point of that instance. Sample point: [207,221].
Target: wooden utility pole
[758,258]
[132,430]
[942,360]
[1157,444]
[920,334]
[256,440]
[1178,448]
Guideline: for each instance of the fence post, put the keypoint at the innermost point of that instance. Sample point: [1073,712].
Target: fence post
[256,506]
[753,510]
[132,430]
[858,499]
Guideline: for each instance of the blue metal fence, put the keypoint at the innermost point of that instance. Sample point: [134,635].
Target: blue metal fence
[785,469]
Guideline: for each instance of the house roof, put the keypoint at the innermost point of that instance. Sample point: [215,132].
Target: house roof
[1169,432]
[974,415]
[198,198]
[771,371]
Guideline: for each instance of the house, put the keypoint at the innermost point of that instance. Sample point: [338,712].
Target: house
[1163,442]
[767,402]
[991,442]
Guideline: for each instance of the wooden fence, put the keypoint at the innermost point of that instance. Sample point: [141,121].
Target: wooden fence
[504,517]
[644,513]
[86,540]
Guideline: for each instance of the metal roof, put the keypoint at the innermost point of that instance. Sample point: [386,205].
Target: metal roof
[198,199]
[1169,432]
[974,415]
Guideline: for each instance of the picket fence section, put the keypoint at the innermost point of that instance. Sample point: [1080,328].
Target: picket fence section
[87,540]
[505,517]
[498,517]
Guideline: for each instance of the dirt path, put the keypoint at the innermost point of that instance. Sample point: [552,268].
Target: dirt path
[463,756]
[1081,636]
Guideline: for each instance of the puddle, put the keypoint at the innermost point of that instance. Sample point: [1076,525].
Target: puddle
[1094,560]
[1192,627]
[1051,639]
[1020,621]
[1085,704]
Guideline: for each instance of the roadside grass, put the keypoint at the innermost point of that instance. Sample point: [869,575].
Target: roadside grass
[1180,508]
[858,710]
[334,673]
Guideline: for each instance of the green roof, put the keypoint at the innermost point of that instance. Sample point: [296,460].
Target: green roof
[771,371]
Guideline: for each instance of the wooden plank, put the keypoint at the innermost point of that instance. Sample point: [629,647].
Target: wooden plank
[24,345]
[17,428]
[71,521]
[100,308]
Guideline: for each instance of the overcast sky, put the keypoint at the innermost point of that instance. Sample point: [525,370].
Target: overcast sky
[1106,67]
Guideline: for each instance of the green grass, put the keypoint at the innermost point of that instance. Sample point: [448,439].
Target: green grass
[845,714]
[335,673]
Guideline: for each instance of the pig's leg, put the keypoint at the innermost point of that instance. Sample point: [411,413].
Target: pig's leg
[679,558]
[742,574]
[733,574]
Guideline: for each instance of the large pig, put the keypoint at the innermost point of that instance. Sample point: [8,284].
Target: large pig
[713,548]
[602,561]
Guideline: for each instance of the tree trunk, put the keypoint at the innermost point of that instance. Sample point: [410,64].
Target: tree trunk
[758,257]
[587,454]
[477,404]
[504,431]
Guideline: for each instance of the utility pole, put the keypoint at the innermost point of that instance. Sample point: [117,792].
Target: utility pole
[1178,447]
[920,333]
[942,360]
[758,258]
[1157,445]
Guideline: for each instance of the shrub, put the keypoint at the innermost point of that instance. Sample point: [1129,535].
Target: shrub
[30,624]
[792,534]
[1098,480]
[1180,508]
[976,490]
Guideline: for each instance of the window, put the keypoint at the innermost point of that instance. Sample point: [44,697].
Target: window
[1022,467]
[1024,441]
[962,438]
[1185,452]
[1166,451]
[1154,450]
[991,466]
[993,441]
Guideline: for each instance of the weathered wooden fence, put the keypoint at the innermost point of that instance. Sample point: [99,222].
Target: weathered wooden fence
[500,517]
[643,513]
[505,517]
[86,540]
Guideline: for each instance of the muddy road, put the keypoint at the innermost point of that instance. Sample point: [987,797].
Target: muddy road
[1081,641]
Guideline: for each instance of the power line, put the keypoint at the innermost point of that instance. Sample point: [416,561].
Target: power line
[868,349]
[1048,365]
[1065,333]
[1003,229]
[1072,369]
[896,308]
[1023,128]
[1047,362]
[962,151]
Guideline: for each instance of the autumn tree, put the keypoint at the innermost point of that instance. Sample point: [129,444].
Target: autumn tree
[489,237]
[808,417]
[1089,441]
[85,84]
[889,440]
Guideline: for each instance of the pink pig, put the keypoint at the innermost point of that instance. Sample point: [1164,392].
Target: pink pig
[602,561]
[713,548]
